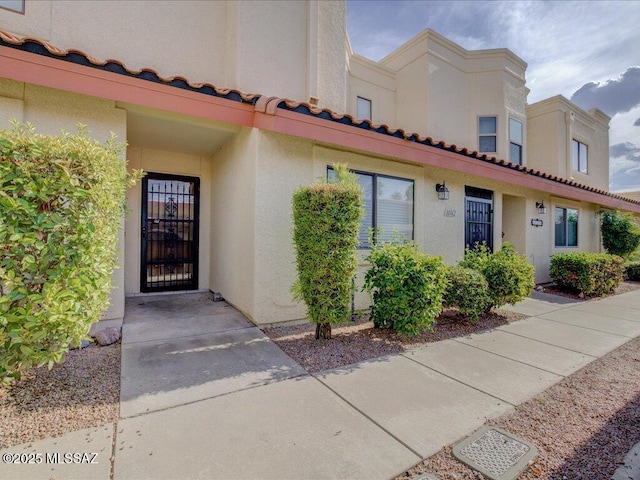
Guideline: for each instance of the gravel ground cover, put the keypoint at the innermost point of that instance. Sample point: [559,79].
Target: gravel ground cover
[82,392]
[359,340]
[582,427]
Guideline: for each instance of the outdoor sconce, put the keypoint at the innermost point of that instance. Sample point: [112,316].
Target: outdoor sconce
[443,191]
[541,208]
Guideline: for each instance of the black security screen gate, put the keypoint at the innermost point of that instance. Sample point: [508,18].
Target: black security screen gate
[479,217]
[170,212]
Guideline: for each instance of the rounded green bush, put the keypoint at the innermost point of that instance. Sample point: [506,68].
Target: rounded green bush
[620,232]
[593,274]
[61,206]
[468,291]
[632,271]
[407,287]
[509,275]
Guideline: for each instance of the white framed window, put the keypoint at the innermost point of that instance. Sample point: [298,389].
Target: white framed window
[363,108]
[388,206]
[566,227]
[516,137]
[13,5]
[487,134]
[579,156]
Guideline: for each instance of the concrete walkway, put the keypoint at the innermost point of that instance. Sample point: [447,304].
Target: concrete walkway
[206,395]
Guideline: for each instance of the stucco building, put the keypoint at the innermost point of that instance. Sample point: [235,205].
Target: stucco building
[230,106]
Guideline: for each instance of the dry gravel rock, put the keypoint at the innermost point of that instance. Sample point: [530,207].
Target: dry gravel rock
[82,392]
[359,340]
[583,426]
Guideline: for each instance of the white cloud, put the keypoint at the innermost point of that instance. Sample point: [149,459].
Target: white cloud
[566,44]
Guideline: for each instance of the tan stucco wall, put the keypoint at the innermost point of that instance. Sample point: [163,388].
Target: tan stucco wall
[51,111]
[173,37]
[434,87]
[158,161]
[369,80]
[233,210]
[293,49]
[552,125]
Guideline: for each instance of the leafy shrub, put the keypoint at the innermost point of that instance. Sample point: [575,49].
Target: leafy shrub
[632,271]
[61,204]
[593,274]
[509,275]
[620,232]
[326,219]
[467,290]
[407,287]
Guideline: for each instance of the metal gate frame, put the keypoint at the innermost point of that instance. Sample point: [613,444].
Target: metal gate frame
[183,252]
[478,196]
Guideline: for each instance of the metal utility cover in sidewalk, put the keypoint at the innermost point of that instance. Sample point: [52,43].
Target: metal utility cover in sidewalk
[495,453]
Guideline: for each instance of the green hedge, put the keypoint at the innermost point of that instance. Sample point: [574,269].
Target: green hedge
[632,271]
[509,275]
[468,291]
[593,274]
[61,206]
[407,287]
[620,232]
[326,219]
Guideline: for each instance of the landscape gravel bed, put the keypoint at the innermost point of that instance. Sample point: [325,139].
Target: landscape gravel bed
[82,392]
[359,340]
[582,427]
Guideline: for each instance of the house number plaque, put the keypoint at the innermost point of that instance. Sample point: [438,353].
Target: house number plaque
[536,222]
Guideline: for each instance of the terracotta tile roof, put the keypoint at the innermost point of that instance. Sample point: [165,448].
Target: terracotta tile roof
[308,109]
[40,47]
[270,104]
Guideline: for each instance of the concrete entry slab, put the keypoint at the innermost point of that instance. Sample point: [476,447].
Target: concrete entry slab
[165,373]
[170,316]
[540,355]
[506,379]
[297,429]
[574,338]
[422,408]
[596,321]
[96,443]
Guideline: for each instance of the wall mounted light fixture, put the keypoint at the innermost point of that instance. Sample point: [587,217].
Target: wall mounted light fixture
[541,208]
[443,191]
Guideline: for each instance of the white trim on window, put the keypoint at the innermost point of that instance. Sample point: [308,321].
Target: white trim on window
[566,223]
[363,108]
[488,133]
[579,156]
[516,141]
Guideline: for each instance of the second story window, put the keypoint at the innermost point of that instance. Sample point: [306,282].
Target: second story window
[13,5]
[487,134]
[579,156]
[363,108]
[515,141]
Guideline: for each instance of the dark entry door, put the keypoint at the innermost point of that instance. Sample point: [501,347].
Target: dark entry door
[479,217]
[170,212]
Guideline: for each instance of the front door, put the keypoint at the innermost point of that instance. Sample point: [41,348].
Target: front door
[170,212]
[479,217]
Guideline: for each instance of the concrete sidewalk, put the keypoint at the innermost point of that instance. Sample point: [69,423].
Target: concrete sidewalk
[237,407]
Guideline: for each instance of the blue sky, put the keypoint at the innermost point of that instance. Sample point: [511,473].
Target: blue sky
[587,51]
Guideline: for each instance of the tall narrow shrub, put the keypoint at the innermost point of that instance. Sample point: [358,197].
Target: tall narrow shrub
[61,205]
[326,218]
